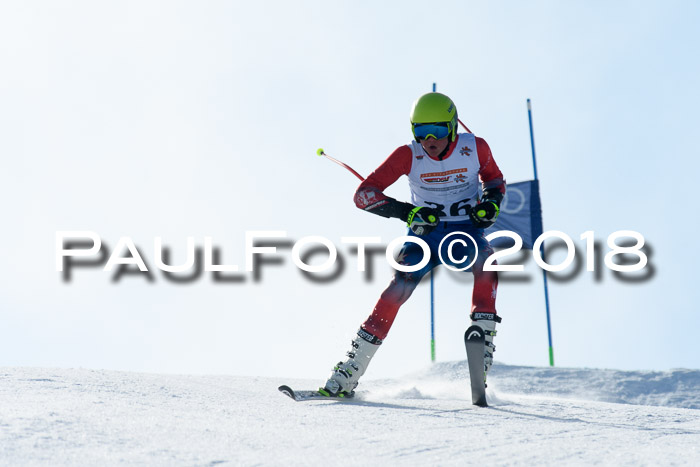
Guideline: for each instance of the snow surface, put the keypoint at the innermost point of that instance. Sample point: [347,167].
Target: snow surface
[537,416]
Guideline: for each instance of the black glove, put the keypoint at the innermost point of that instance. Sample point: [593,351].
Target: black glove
[484,214]
[422,220]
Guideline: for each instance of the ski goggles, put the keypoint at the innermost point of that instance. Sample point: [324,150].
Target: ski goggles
[425,130]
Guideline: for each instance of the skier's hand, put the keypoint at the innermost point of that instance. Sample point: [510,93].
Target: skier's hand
[484,215]
[422,220]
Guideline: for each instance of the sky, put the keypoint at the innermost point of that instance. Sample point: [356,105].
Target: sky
[177,120]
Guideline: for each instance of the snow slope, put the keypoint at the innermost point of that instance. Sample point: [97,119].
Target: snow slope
[537,416]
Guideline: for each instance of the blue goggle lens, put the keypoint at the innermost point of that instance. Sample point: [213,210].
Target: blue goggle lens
[436,130]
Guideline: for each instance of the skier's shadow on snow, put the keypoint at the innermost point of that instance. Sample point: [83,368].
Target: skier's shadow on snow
[665,429]
[382,405]
[487,412]
[427,410]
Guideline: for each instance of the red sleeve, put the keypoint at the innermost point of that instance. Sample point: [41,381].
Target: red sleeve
[489,173]
[370,191]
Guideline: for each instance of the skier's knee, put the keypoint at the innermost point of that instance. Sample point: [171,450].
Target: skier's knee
[404,283]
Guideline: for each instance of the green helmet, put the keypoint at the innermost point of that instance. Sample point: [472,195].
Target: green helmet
[435,108]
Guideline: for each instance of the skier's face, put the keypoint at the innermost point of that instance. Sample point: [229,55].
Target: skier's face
[434,146]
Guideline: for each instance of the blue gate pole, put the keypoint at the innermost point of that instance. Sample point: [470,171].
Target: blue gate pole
[432,304]
[432,317]
[544,273]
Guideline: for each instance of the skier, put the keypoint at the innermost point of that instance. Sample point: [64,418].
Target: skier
[443,169]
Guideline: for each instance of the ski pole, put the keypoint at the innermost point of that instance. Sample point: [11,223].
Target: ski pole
[464,126]
[321,153]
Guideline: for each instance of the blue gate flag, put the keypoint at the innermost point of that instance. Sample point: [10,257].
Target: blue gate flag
[521,212]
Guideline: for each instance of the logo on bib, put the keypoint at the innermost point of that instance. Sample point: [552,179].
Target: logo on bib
[433,178]
[465,151]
